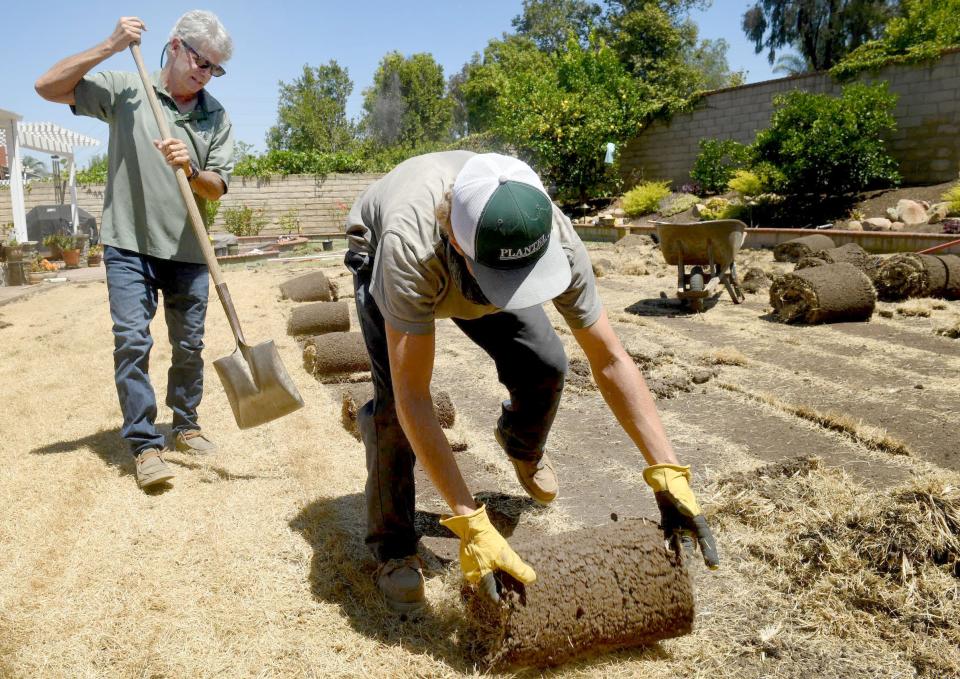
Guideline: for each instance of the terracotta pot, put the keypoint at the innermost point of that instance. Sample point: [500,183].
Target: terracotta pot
[94,260]
[71,258]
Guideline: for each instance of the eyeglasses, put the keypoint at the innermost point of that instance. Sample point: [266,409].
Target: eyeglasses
[216,70]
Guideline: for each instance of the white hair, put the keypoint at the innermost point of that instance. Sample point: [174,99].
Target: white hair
[203,31]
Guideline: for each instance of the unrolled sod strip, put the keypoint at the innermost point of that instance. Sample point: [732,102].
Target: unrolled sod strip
[598,589]
[336,355]
[823,294]
[354,396]
[851,253]
[311,287]
[319,318]
[797,248]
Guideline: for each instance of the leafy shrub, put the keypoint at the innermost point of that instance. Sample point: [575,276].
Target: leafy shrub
[746,183]
[830,145]
[244,221]
[290,221]
[209,210]
[715,208]
[280,162]
[95,172]
[679,203]
[716,163]
[645,198]
[952,196]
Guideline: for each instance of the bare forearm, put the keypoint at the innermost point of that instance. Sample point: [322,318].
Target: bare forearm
[626,393]
[433,452]
[57,84]
[208,185]
[61,80]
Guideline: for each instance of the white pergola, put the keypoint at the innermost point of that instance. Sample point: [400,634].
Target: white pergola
[44,137]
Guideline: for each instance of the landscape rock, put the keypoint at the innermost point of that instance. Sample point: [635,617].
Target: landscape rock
[938,212]
[892,214]
[897,226]
[876,224]
[698,210]
[854,225]
[911,213]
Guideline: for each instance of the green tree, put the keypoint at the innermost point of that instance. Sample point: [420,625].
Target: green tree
[709,60]
[925,28]
[33,168]
[482,81]
[408,104]
[655,41]
[561,117]
[822,31]
[549,23]
[312,111]
[96,170]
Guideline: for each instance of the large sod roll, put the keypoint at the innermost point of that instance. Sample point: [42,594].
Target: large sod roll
[910,275]
[597,589]
[794,250]
[332,357]
[822,294]
[319,318]
[851,253]
[951,290]
[311,287]
[354,396]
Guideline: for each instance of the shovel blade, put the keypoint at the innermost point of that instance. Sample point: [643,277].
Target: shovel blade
[258,386]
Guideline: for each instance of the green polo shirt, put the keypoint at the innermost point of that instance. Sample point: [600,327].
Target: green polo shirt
[142,209]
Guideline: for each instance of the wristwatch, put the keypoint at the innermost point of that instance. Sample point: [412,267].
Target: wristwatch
[194,172]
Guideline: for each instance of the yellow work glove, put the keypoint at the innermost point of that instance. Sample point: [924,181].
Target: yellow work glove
[680,515]
[484,551]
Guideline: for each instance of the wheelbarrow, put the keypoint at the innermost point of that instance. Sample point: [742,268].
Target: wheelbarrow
[709,249]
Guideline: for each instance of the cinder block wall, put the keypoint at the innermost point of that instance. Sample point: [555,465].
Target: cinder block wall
[321,202]
[926,143]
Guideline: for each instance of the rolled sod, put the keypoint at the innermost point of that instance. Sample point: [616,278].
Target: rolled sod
[332,356]
[823,294]
[311,287]
[851,253]
[598,589]
[319,318]
[951,290]
[354,396]
[909,275]
[796,249]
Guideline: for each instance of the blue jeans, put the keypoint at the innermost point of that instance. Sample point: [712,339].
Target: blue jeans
[530,363]
[133,281]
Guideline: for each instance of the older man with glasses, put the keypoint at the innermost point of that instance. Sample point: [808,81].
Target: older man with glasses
[149,244]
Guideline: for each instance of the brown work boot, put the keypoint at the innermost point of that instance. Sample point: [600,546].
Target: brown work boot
[151,469]
[401,583]
[536,476]
[194,441]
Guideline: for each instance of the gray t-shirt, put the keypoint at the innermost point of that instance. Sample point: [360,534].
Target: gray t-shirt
[143,210]
[395,222]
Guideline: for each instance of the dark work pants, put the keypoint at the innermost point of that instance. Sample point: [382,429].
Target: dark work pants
[530,363]
[133,284]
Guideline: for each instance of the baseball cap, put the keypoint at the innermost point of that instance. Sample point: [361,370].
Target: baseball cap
[503,220]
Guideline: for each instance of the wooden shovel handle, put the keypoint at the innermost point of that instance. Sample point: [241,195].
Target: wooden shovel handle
[187,194]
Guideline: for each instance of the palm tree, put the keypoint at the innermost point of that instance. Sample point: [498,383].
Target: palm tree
[33,168]
[791,64]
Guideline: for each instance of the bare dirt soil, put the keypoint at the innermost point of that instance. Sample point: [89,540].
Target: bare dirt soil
[814,449]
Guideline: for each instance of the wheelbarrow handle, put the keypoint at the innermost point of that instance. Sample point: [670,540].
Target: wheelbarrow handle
[186,193]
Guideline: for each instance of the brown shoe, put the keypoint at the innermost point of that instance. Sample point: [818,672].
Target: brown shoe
[401,583]
[151,469]
[194,441]
[536,476]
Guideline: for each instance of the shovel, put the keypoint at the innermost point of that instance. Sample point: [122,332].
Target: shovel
[258,386]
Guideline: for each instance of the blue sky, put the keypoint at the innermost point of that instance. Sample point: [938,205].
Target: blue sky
[274,40]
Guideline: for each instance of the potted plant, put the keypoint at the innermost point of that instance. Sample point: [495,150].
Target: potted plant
[94,255]
[69,247]
[40,269]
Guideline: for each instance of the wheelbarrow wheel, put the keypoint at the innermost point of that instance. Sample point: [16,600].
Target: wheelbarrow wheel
[696,285]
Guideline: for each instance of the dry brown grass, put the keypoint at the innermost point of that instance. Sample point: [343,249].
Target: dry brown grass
[726,356]
[864,567]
